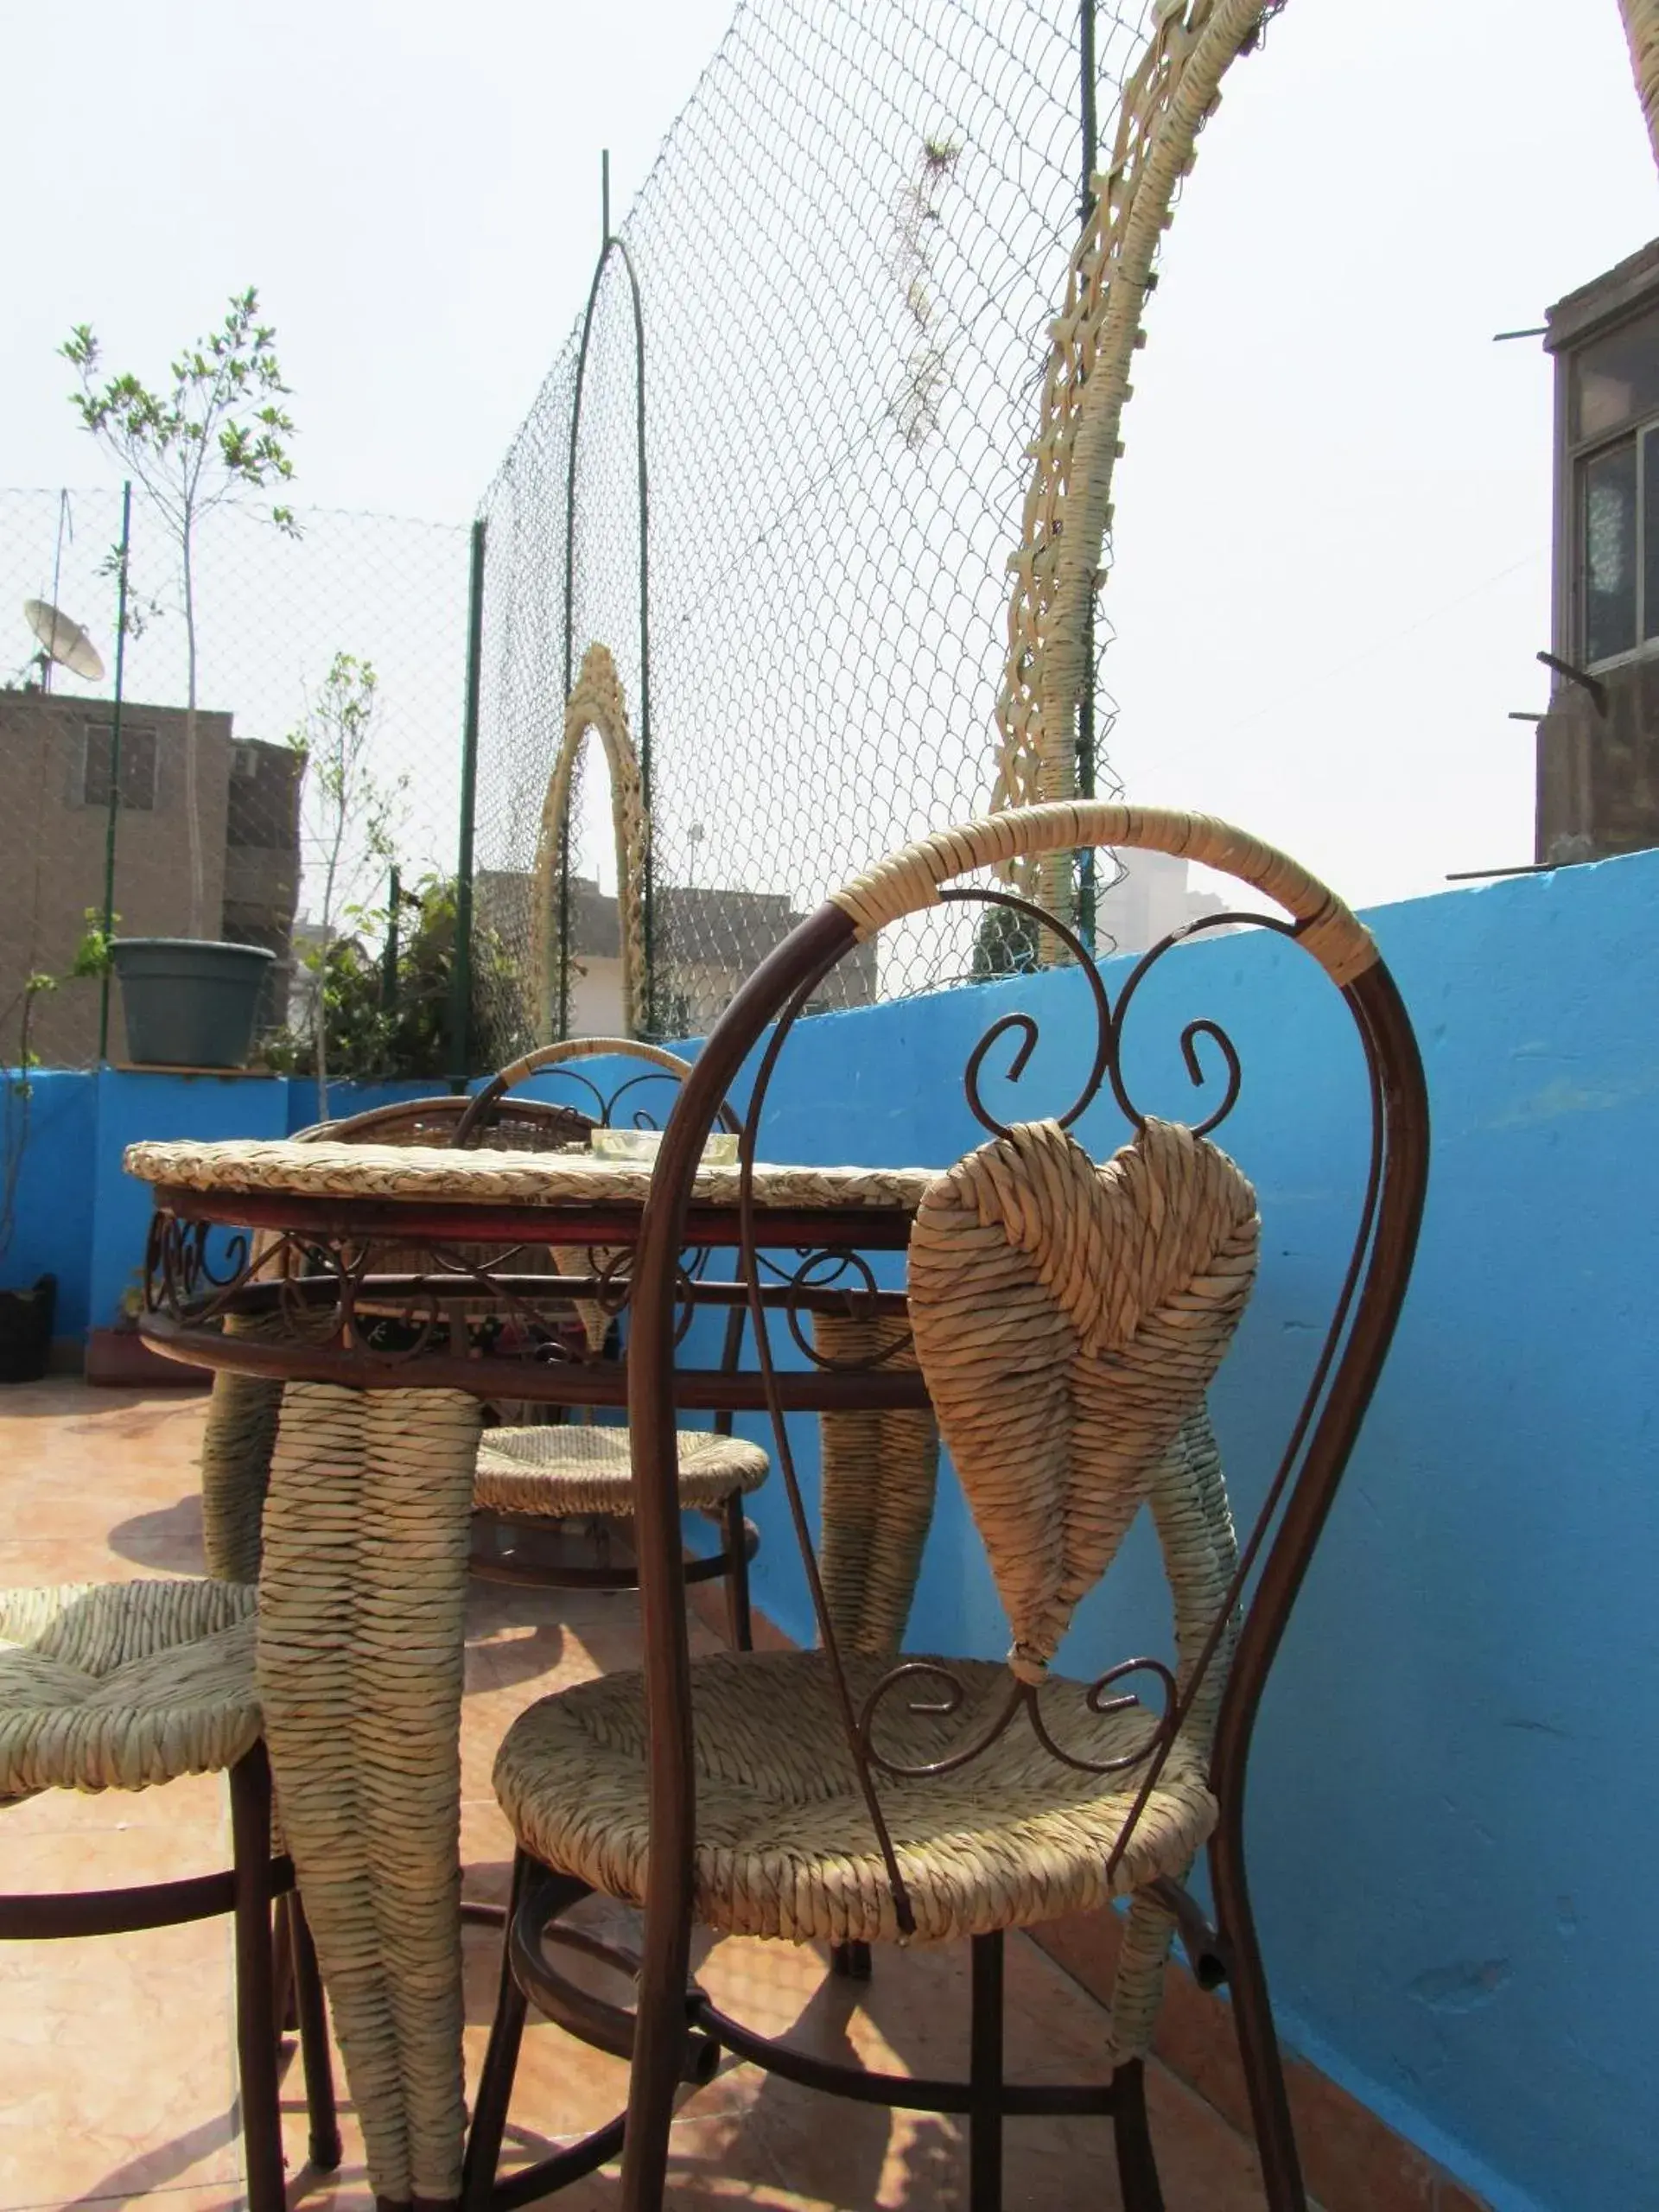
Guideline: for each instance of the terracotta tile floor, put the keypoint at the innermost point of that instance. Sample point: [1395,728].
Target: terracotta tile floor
[116,2077]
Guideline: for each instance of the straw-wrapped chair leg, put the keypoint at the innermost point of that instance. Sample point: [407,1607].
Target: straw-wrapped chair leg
[1067,1319]
[535,1482]
[126,1686]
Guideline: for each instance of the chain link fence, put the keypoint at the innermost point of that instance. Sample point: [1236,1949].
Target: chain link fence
[330,678]
[778,470]
[759,521]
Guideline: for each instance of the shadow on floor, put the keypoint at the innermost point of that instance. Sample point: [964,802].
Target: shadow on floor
[170,1536]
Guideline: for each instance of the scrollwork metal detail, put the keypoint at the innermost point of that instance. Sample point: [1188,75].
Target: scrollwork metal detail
[394,1299]
[1022,1696]
[859,1301]
[180,1271]
[1106,1067]
[1024,1026]
[1194,1030]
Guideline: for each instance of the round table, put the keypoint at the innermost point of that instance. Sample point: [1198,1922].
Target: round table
[386,1290]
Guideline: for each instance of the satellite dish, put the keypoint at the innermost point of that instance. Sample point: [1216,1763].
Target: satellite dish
[63,641]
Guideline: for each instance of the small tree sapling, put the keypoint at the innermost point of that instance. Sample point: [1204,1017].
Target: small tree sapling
[215,435]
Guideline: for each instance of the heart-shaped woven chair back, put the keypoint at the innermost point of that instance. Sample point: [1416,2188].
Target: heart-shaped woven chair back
[1068,1319]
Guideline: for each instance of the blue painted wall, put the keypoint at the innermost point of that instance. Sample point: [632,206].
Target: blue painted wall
[348,1098]
[81,1217]
[1451,1769]
[130,1107]
[52,1231]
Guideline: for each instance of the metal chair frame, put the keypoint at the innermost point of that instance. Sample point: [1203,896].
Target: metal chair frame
[254,1883]
[674,2036]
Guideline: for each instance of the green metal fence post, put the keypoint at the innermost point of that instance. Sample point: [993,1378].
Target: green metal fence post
[389,950]
[461,987]
[648,888]
[114,814]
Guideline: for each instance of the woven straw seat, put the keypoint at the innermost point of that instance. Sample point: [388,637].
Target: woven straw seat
[565,1470]
[123,1685]
[784,1845]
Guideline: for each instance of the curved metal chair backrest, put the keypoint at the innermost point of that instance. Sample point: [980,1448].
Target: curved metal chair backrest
[1221,1676]
[525,1125]
[492,1102]
[516,1125]
[668,1066]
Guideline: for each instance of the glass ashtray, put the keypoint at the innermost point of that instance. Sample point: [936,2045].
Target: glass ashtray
[643,1145]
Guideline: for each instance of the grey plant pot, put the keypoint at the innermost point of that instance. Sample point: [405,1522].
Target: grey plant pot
[189,1003]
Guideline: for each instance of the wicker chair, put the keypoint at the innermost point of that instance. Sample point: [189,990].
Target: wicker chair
[126,1685]
[532,1478]
[1067,1319]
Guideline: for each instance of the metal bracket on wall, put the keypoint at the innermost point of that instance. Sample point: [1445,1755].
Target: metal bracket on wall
[1593,685]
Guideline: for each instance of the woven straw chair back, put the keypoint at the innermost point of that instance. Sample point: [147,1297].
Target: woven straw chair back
[1068,1319]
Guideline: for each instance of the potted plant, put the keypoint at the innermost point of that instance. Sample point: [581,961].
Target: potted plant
[212,437]
[27,1311]
[388,1007]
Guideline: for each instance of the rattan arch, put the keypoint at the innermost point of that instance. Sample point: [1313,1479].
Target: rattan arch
[1642,34]
[596,704]
[1175,88]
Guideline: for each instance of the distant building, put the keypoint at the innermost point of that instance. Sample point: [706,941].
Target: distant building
[55,755]
[1151,900]
[712,938]
[262,862]
[1598,744]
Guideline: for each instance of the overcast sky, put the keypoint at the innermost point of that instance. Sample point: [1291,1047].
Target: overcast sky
[1333,519]
[414,188]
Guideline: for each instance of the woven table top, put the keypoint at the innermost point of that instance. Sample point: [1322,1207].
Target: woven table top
[481,1178]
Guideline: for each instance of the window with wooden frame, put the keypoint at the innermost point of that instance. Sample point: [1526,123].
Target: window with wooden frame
[1613,447]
